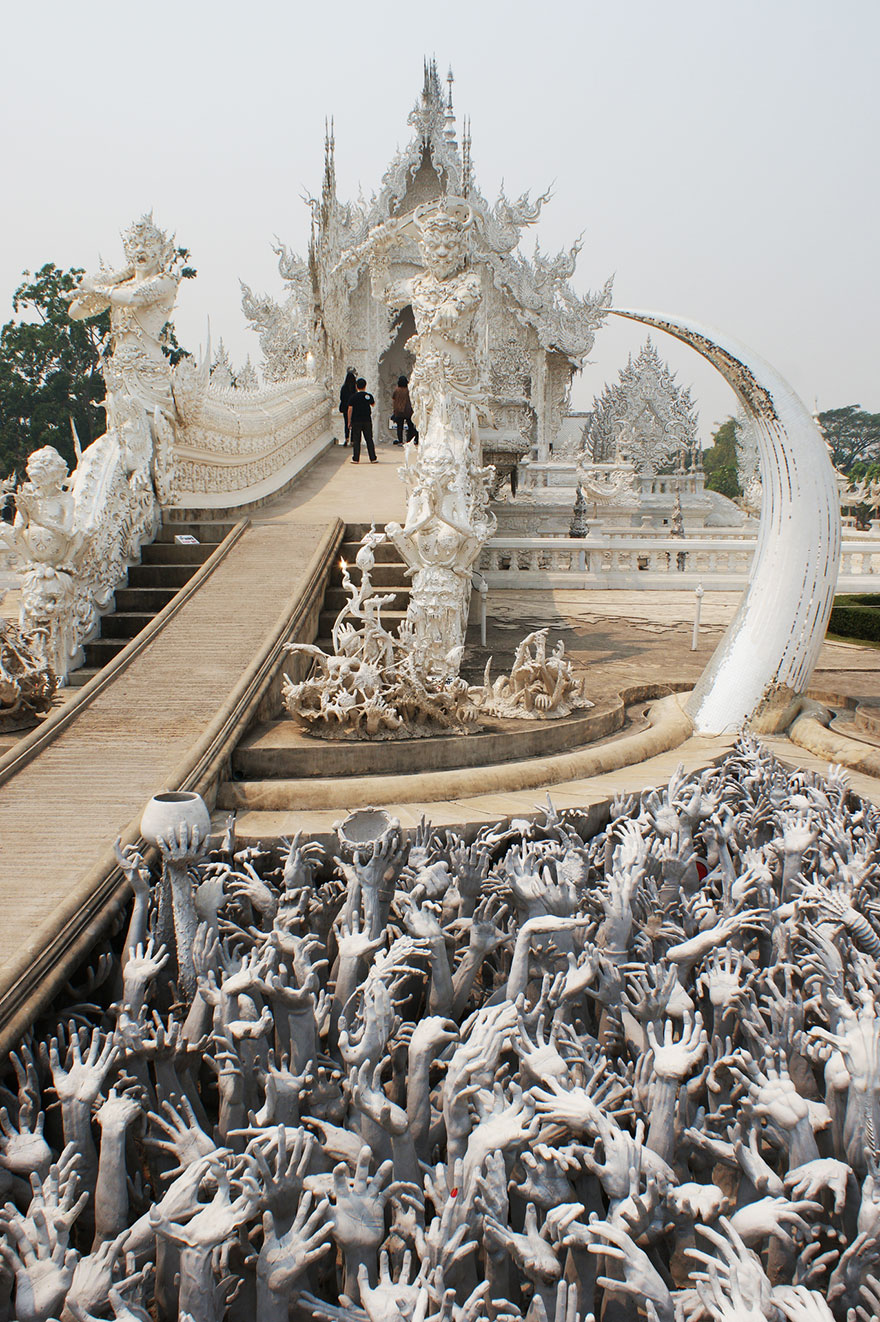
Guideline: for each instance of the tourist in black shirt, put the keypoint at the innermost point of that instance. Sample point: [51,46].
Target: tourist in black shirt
[360,422]
[346,395]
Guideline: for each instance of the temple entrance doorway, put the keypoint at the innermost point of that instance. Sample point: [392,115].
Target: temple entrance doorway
[396,361]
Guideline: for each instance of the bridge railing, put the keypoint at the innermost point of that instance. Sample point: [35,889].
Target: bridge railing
[658,563]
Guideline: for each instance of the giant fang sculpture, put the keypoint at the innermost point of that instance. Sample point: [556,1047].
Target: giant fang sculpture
[769,651]
[448,519]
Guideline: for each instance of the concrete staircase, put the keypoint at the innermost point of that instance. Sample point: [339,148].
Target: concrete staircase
[164,568]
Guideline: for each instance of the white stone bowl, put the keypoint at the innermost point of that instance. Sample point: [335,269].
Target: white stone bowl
[166,813]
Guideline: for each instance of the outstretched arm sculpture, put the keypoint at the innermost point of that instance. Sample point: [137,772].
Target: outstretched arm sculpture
[586,1059]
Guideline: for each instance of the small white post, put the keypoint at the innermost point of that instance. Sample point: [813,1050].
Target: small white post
[698,602]
[484,593]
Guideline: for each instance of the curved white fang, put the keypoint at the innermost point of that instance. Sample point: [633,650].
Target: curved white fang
[773,641]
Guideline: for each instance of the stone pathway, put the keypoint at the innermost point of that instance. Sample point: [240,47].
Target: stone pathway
[60,812]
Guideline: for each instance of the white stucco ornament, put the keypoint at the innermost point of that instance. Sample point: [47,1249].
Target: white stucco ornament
[448,519]
[768,653]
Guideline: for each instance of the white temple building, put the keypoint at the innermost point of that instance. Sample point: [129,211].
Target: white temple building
[533,331]
[636,457]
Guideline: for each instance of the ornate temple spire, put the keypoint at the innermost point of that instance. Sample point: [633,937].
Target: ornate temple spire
[449,131]
[467,165]
[329,187]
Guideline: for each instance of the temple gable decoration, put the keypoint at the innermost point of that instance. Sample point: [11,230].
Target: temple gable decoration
[532,330]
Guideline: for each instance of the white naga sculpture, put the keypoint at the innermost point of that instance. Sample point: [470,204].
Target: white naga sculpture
[448,519]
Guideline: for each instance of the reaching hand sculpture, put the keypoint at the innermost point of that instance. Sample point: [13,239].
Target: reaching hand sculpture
[439,1061]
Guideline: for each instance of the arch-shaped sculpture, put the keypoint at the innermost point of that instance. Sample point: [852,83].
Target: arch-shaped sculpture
[768,653]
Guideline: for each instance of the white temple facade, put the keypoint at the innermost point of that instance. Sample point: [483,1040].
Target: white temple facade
[533,331]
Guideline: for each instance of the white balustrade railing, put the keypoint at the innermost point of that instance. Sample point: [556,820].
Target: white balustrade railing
[656,562]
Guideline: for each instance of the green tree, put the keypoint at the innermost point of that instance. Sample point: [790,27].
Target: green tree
[49,370]
[852,435]
[719,462]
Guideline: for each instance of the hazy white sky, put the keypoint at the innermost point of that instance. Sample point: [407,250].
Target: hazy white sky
[721,157]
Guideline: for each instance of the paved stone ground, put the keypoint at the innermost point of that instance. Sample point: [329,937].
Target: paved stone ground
[624,638]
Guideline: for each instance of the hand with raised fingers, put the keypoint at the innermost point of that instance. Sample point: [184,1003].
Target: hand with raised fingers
[24,1149]
[93,1277]
[547,1175]
[82,1078]
[282,1158]
[368,1096]
[799,1304]
[142,967]
[358,1214]
[734,1278]
[530,1250]
[216,1221]
[284,1258]
[760,1175]
[812,1178]
[352,940]
[301,863]
[391,1300]
[770,1218]
[640,1280]
[135,870]
[248,886]
[43,1265]
[721,978]
[182,1136]
[674,1059]
[120,1109]
[539,1055]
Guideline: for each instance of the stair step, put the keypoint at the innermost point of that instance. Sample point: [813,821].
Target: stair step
[77,678]
[160,576]
[144,599]
[169,553]
[101,650]
[125,624]
[205,532]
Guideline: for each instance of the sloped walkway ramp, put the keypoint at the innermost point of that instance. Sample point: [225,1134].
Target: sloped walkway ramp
[163,715]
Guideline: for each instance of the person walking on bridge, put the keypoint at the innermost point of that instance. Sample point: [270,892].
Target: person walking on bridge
[360,422]
[402,412]
[346,395]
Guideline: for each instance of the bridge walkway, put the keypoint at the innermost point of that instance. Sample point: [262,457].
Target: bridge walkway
[162,715]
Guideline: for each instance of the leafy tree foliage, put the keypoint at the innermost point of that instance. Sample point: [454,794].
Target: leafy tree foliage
[853,436]
[49,370]
[719,461]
